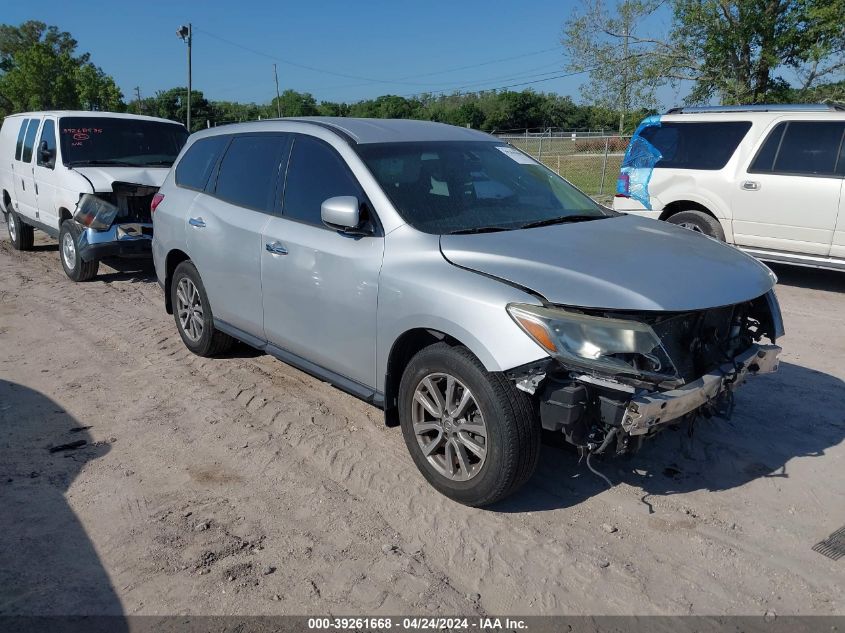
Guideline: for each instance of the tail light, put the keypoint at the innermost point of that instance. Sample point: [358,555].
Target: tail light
[155,202]
[623,186]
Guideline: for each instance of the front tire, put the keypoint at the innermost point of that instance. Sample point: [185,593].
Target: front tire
[471,433]
[21,235]
[700,222]
[192,312]
[75,268]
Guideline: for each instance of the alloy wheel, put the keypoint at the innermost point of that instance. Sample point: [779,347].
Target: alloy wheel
[449,427]
[13,226]
[189,309]
[691,226]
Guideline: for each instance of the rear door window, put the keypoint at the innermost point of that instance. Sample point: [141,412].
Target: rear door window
[316,172]
[249,172]
[707,145]
[811,148]
[29,140]
[21,134]
[198,162]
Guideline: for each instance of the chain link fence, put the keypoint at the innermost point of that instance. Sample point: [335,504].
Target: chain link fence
[589,162]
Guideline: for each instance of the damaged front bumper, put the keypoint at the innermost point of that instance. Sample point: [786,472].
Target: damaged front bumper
[587,408]
[119,240]
[644,412]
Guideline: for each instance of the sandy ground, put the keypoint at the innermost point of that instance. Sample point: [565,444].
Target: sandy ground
[242,486]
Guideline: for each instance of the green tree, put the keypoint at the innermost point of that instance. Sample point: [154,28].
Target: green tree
[293,103]
[739,51]
[40,69]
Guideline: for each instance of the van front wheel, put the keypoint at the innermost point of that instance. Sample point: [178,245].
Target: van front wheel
[75,268]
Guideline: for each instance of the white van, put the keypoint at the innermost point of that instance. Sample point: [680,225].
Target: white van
[86,178]
[768,179]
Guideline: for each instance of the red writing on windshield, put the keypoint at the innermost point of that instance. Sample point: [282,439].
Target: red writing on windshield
[81,134]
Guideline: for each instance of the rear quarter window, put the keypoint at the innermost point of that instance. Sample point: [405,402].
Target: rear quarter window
[21,134]
[706,145]
[811,148]
[199,160]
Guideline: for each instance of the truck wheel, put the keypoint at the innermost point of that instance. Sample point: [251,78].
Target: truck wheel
[75,268]
[473,435]
[22,235]
[700,222]
[192,312]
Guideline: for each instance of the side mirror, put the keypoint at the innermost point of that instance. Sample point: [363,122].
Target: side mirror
[45,152]
[341,213]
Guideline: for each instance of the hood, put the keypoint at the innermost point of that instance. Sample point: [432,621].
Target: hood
[103,177]
[619,263]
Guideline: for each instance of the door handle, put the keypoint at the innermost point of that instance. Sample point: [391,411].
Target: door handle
[23,185]
[276,248]
[197,222]
[750,185]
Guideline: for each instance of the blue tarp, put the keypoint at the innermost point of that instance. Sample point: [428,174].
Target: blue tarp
[638,164]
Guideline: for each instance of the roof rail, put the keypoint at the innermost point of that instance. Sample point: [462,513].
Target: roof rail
[773,107]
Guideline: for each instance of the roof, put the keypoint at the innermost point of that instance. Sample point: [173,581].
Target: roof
[364,131]
[92,114]
[771,107]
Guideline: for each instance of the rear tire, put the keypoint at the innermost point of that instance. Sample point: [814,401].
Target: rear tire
[700,222]
[478,453]
[75,268]
[193,315]
[21,235]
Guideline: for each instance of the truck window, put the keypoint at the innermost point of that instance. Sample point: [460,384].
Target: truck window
[21,133]
[707,145]
[29,140]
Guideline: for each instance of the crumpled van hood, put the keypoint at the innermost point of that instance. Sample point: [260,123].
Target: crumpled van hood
[619,263]
[103,177]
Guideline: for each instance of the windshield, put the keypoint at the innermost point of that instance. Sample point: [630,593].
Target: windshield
[119,141]
[473,186]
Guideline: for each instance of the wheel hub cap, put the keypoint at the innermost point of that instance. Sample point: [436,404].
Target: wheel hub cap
[449,427]
[13,229]
[69,251]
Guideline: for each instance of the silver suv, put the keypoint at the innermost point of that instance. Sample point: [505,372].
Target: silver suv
[464,288]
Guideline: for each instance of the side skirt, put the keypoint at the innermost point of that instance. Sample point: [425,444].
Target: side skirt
[343,383]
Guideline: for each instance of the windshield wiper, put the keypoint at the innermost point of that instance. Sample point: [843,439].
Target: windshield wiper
[479,229]
[564,219]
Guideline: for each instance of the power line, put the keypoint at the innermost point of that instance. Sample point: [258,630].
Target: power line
[368,80]
[514,85]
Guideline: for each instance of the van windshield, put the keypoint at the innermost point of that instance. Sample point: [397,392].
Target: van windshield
[474,186]
[119,142]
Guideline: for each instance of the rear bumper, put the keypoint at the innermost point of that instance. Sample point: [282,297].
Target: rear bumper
[121,240]
[645,412]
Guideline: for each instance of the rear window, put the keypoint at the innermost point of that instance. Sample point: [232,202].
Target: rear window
[249,172]
[812,148]
[21,133]
[707,145]
[198,162]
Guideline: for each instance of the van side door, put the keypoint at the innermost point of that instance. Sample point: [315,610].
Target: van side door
[26,196]
[787,197]
[320,285]
[224,226]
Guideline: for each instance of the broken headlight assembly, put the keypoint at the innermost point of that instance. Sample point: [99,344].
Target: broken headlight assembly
[618,347]
[95,213]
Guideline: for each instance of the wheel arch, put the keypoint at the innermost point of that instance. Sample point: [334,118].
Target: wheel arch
[404,348]
[7,202]
[173,259]
[684,205]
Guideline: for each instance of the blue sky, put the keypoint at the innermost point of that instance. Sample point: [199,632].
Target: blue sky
[406,46]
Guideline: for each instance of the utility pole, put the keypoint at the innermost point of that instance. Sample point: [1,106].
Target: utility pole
[186,34]
[626,69]
[138,99]
[278,98]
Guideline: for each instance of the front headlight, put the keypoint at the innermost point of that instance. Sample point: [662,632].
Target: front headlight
[615,346]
